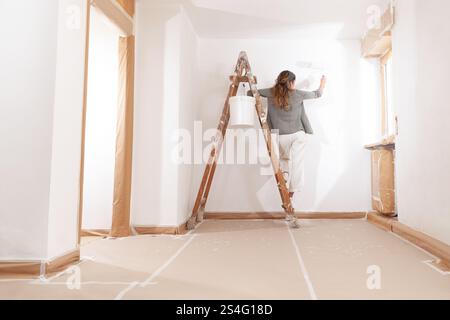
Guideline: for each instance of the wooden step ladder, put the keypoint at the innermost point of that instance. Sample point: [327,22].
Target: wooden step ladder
[242,74]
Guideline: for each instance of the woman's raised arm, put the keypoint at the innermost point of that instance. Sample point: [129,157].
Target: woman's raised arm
[315,94]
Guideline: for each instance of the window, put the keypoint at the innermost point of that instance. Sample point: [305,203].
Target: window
[388,116]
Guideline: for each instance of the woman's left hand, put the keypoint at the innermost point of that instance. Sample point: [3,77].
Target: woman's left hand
[323,82]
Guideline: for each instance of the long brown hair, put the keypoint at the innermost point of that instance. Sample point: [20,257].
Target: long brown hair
[281,89]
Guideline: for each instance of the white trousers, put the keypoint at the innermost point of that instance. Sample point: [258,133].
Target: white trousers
[292,159]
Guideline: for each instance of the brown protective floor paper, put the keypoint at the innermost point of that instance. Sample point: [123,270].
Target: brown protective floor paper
[141,254]
[248,260]
[338,255]
[124,146]
[422,240]
[232,260]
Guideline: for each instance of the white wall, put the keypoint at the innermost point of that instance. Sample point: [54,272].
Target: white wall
[27,64]
[67,128]
[420,60]
[165,101]
[42,74]
[189,110]
[101,123]
[337,166]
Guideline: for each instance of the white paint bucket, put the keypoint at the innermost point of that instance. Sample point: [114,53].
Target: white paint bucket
[242,112]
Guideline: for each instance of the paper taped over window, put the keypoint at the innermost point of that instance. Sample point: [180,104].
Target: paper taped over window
[383,184]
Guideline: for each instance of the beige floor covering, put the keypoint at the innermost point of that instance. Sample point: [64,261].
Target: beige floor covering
[246,260]
[338,254]
[232,259]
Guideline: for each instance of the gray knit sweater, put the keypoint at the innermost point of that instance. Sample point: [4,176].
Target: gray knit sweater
[295,119]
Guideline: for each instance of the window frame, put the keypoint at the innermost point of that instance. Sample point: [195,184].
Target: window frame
[384,96]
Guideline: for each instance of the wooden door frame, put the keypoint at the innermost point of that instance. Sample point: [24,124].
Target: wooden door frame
[120,13]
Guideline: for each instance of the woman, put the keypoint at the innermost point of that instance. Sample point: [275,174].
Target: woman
[286,114]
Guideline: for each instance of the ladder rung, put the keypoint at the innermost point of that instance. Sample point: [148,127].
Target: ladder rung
[242,79]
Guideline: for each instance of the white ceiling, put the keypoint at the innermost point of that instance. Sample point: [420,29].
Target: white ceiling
[342,19]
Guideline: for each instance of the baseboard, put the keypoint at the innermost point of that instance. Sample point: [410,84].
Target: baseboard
[182,229]
[153,230]
[35,269]
[95,233]
[281,215]
[20,269]
[422,240]
[441,265]
[383,222]
[63,262]
[140,230]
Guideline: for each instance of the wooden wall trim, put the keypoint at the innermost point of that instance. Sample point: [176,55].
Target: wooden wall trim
[95,233]
[140,230]
[129,6]
[435,247]
[154,230]
[424,241]
[115,12]
[20,269]
[35,269]
[281,215]
[117,15]
[83,124]
[381,221]
[63,262]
